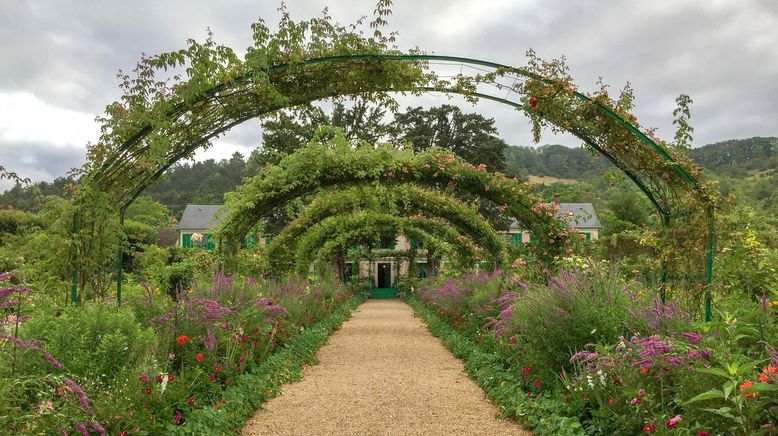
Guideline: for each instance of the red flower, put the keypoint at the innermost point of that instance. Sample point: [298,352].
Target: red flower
[170,377]
[216,368]
[533,101]
[643,371]
[159,378]
[148,391]
[212,378]
[745,385]
[672,422]
[648,428]
[192,401]
[182,339]
[703,433]
[254,331]
[568,400]
[537,384]
[199,357]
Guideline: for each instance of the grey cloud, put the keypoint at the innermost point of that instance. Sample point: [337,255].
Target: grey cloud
[724,54]
[38,160]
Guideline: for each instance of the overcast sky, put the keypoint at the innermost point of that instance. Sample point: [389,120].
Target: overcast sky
[60,58]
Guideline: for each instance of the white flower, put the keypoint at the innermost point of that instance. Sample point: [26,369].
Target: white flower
[590,381]
[593,331]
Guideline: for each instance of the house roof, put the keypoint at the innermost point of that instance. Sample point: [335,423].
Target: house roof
[578,215]
[201,216]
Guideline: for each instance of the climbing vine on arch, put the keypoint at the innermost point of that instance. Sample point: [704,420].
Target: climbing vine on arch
[399,199]
[337,163]
[339,231]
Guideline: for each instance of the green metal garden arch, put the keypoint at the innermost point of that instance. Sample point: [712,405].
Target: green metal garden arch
[217,100]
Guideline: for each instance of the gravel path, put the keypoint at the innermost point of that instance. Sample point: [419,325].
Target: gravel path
[382,374]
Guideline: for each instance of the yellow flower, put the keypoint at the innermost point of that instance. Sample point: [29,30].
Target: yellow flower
[774,303]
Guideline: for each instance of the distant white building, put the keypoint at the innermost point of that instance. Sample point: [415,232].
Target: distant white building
[196,222]
[580,216]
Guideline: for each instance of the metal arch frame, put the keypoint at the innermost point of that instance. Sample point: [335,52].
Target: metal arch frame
[183,107]
[491,243]
[429,226]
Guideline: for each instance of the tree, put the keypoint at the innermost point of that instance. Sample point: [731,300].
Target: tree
[471,136]
[286,132]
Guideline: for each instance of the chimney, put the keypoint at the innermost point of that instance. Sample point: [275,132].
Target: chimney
[556,199]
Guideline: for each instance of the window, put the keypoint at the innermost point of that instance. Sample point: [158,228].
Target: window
[351,270]
[421,270]
[517,239]
[209,242]
[186,240]
[588,236]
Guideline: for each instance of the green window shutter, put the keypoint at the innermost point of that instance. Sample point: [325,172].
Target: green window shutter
[413,243]
[251,241]
[588,236]
[186,240]
[268,240]
[209,241]
[516,238]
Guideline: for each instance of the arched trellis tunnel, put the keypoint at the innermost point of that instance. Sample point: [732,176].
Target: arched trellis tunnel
[402,200]
[318,246]
[142,150]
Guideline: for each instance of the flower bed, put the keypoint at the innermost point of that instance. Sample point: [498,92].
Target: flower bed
[203,360]
[588,352]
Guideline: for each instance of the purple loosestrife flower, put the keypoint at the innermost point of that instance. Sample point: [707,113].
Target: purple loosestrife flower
[764,304]
[81,428]
[34,346]
[98,428]
[7,275]
[210,340]
[693,338]
[76,389]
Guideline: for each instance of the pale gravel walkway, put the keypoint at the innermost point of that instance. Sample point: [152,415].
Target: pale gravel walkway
[382,374]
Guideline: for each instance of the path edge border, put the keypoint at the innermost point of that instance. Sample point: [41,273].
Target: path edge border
[251,391]
[489,371]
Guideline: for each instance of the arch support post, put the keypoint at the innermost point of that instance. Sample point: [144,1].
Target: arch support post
[74,250]
[709,262]
[666,225]
[120,258]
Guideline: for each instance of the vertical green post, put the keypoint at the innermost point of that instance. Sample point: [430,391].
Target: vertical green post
[663,287]
[709,264]
[74,267]
[120,258]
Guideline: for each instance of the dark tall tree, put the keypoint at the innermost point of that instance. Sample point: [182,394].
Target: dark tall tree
[469,135]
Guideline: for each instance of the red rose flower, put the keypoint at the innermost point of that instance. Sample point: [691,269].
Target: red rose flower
[648,428]
[199,357]
[170,377]
[212,378]
[216,368]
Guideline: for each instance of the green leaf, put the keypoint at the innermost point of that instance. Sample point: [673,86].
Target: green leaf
[714,371]
[724,411]
[728,386]
[711,394]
